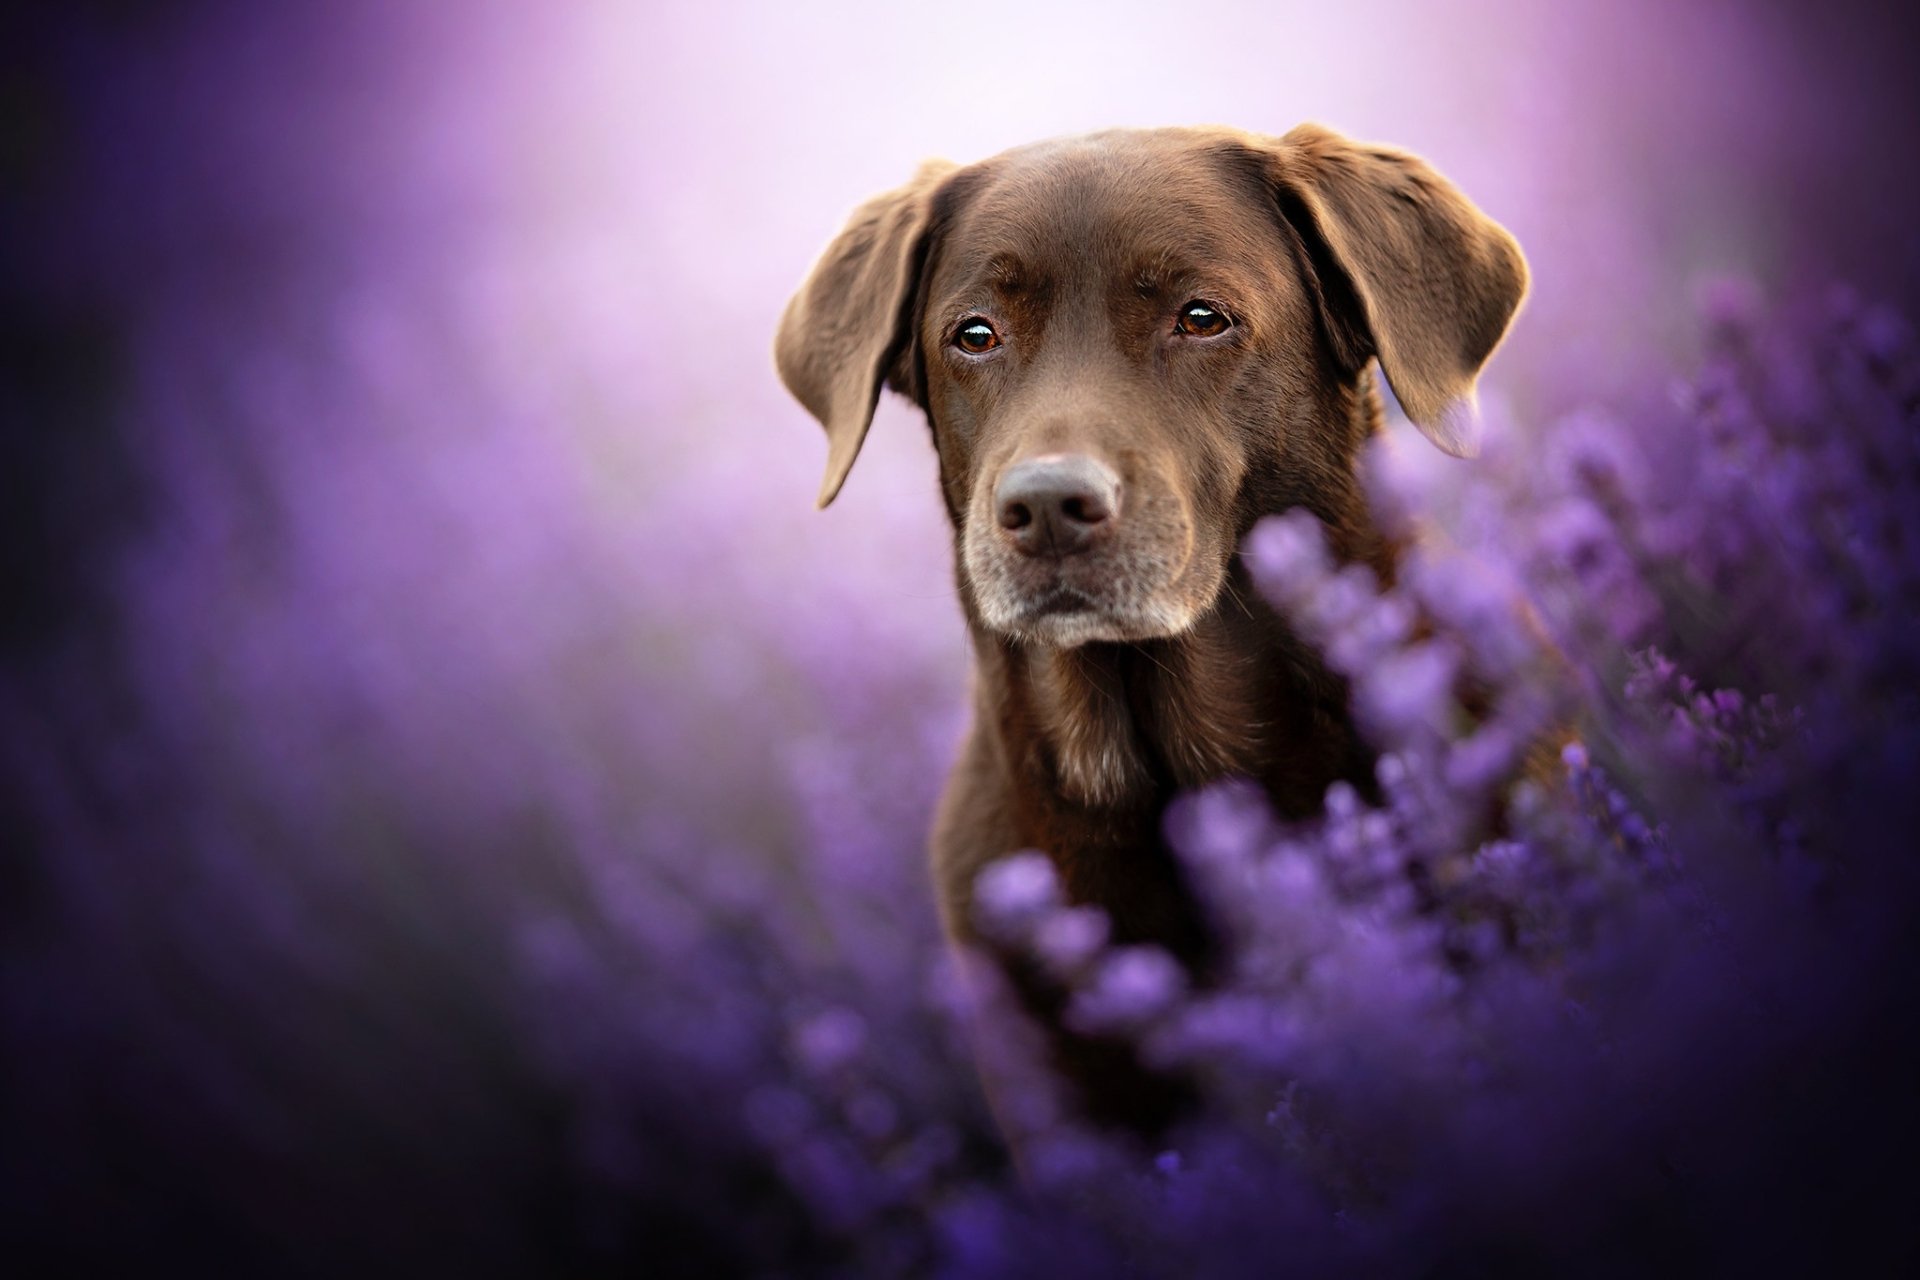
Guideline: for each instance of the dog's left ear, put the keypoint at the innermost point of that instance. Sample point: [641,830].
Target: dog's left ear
[1407,270]
[849,330]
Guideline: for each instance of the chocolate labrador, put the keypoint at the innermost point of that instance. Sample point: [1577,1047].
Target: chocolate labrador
[1132,346]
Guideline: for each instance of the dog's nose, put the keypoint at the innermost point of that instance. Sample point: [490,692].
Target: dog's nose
[1058,504]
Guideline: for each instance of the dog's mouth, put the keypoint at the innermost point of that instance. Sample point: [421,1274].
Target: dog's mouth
[1064,616]
[1058,600]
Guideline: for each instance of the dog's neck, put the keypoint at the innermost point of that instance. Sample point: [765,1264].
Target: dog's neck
[1120,727]
[1113,723]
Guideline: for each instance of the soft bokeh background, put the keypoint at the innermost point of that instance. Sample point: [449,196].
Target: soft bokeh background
[413,596]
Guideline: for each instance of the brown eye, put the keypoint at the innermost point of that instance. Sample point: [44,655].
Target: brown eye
[1198,320]
[976,337]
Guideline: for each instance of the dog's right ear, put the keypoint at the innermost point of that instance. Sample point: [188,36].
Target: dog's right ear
[849,330]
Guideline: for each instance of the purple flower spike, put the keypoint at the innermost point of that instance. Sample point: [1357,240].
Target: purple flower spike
[1014,893]
[1135,986]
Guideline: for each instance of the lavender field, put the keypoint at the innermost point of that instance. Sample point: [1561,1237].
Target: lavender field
[462,811]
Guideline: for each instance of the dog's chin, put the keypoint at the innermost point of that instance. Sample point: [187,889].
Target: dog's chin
[1066,620]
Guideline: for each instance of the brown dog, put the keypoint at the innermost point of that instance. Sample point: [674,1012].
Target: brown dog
[1131,347]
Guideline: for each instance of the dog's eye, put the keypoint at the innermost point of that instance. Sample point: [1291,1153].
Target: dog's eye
[976,337]
[1198,320]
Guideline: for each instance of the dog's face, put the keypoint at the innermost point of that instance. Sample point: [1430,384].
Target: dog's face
[1131,346]
[1113,338]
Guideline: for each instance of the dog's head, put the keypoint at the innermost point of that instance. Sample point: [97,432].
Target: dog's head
[1133,345]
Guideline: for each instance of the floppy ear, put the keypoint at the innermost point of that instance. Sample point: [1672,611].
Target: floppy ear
[850,328]
[1409,271]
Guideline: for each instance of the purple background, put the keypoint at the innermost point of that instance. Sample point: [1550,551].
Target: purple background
[413,591]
